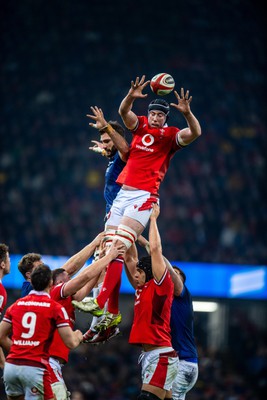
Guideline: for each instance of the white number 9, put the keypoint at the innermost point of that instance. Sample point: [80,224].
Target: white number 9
[28,322]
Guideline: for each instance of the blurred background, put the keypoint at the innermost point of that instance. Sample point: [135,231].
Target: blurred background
[59,58]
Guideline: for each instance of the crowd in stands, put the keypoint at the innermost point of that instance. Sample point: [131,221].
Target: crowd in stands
[55,65]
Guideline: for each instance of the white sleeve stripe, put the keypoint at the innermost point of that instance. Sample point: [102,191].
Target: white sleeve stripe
[162,278]
[7,320]
[63,324]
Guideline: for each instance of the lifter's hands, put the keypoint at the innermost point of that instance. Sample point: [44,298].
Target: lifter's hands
[117,249]
[137,87]
[183,102]
[98,117]
[155,211]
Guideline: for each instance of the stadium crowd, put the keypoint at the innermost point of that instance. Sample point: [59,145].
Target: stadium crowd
[52,186]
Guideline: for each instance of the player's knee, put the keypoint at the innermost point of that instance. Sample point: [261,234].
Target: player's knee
[144,395]
[126,235]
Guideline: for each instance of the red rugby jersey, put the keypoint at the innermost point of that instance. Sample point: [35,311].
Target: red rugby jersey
[58,348]
[3,297]
[34,319]
[150,155]
[152,312]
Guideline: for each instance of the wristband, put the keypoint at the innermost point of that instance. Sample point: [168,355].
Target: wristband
[107,128]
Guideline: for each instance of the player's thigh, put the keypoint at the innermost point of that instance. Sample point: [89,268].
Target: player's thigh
[37,384]
[185,379]
[159,368]
[58,384]
[12,381]
[24,380]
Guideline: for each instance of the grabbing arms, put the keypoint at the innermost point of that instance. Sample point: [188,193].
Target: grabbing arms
[76,262]
[125,110]
[104,127]
[157,260]
[91,273]
[187,135]
[177,281]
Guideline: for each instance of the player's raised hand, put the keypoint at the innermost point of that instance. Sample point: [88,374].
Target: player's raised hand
[184,101]
[137,87]
[155,211]
[98,117]
[117,249]
[97,148]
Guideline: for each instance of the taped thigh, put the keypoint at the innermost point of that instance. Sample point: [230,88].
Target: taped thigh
[126,235]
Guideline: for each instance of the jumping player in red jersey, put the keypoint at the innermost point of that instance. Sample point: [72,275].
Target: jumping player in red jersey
[154,144]
[152,312]
[33,320]
[4,270]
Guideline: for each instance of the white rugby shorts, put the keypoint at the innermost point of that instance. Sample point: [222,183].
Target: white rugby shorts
[33,382]
[185,379]
[135,204]
[159,367]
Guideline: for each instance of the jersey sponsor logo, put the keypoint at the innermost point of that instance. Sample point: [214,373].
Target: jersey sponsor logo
[33,303]
[148,140]
[27,342]
[144,148]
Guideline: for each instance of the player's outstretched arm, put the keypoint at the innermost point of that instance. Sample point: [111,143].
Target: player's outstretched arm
[91,273]
[71,338]
[157,260]
[125,110]
[103,126]
[177,281]
[77,261]
[130,261]
[187,135]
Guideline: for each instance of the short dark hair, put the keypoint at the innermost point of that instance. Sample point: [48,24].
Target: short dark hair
[3,252]
[41,277]
[117,127]
[181,272]
[56,272]
[26,263]
[145,265]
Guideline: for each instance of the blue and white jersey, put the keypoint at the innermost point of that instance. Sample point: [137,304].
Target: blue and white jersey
[114,168]
[182,330]
[26,288]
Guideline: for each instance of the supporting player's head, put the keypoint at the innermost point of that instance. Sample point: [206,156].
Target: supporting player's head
[145,265]
[60,275]
[4,259]
[158,113]
[28,262]
[180,272]
[41,278]
[106,141]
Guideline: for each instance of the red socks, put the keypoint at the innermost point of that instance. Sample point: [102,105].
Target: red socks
[111,286]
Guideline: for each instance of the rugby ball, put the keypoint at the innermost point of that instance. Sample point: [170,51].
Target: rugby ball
[162,84]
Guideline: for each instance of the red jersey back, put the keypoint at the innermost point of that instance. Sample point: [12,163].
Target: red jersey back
[34,319]
[3,297]
[58,347]
[152,312]
[150,155]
